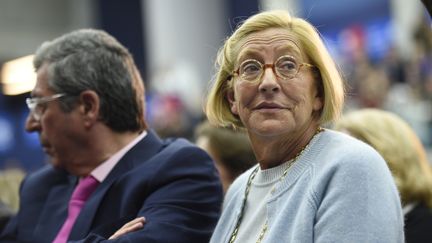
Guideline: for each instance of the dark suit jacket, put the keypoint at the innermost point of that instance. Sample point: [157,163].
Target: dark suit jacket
[172,183]
[418,224]
[5,214]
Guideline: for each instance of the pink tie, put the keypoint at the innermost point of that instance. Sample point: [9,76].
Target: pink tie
[82,191]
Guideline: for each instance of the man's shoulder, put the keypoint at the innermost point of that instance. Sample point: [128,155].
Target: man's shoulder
[173,153]
[177,142]
[181,147]
[44,173]
[47,175]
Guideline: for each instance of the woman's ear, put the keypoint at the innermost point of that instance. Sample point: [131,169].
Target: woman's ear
[317,103]
[89,106]
[230,96]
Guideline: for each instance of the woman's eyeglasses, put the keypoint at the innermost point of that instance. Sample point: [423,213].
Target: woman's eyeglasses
[285,67]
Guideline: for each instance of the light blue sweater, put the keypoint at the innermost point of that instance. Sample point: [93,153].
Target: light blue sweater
[339,190]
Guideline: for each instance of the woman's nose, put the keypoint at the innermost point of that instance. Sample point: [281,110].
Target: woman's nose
[269,81]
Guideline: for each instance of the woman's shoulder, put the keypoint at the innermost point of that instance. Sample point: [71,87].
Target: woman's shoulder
[333,137]
[337,144]
[345,164]
[336,151]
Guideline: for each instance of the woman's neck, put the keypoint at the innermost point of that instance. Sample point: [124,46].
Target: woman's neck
[274,152]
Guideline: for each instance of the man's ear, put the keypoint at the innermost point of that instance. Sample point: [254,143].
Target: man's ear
[89,106]
[233,103]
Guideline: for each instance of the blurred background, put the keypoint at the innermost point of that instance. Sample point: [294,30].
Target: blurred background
[383,47]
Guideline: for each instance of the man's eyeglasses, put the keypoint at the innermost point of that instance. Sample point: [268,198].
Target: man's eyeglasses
[285,67]
[35,104]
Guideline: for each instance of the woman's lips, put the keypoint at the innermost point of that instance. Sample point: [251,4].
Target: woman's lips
[268,106]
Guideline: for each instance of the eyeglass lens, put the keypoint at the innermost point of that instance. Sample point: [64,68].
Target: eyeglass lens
[285,67]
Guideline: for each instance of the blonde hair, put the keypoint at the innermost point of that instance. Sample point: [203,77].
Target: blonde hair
[398,144]
[218,107]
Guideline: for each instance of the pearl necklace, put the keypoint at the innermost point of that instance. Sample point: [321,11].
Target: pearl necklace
[248,187]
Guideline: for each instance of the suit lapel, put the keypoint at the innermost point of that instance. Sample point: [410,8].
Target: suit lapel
[55,210]
[141,152]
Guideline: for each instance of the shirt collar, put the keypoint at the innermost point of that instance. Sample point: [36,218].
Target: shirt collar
[102,171]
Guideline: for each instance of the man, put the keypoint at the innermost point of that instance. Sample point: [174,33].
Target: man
[88,109]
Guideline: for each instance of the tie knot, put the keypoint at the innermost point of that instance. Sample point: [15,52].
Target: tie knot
[85,188]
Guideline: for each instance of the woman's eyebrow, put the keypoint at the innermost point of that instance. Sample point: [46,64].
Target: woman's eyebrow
[292,49]
[250,52]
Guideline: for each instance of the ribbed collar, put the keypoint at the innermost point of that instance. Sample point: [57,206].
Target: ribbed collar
[269,176]
[272,175]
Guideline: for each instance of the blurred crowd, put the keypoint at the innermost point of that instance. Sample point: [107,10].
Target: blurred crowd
[398,83]
[395,82]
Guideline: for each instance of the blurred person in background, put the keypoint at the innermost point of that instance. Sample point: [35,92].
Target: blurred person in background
[373,88]
[230,149]
[106,166]
[10,179]
[170,117]
[277,80]
[406,157]
[174,108]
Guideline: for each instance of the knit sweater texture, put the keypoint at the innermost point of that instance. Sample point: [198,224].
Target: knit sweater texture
[339,190]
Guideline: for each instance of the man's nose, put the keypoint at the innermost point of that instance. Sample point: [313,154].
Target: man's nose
[31,124]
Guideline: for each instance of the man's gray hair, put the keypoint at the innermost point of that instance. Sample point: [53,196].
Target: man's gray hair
[91,59]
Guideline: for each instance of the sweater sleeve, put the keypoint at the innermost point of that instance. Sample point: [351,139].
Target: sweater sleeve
[356,200]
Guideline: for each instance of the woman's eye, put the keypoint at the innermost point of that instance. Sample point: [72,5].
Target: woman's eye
[287,65]
[250,68]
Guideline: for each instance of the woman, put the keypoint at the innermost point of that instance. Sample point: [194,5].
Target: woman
[405,155]
[277,80]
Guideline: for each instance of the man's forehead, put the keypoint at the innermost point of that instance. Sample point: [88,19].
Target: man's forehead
[36,92]
[41,87]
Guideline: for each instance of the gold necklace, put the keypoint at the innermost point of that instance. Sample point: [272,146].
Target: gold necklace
[248,187]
